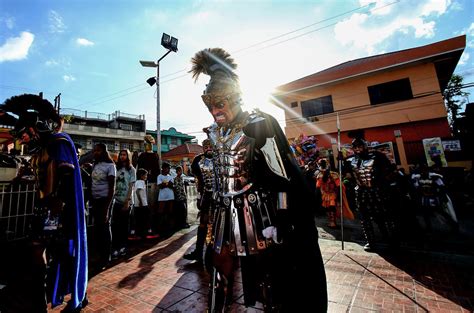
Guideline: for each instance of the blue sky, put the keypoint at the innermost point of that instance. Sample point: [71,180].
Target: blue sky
[89,51]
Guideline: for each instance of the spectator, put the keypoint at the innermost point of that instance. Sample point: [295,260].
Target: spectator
[123,201]
[103,188]
[180,200]
[165,183]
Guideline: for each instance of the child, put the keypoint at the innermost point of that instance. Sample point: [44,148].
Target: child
[142,212]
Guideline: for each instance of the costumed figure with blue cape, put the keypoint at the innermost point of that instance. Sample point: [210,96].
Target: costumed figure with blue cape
[58,230]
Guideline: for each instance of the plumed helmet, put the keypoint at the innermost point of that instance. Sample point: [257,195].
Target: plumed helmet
[220,66]
[32,111]
[149,139]
[357,138]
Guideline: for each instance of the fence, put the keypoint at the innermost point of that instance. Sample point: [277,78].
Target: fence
[16,208]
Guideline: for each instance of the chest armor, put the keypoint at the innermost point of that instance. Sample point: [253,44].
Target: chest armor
[427,187]
[234,152]
[207,171]
[243,209]
[364,171]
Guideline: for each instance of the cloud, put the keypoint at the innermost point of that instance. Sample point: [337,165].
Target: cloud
[51,63]
[9,21]
[56,24]
[16,48]
[386,18]
[84,42]
[464,58]
[200,18]
[69,78]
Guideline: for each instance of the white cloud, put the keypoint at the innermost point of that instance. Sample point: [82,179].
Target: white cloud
[56,24]
[84,42]
[464,58]
[69,78]
[9,21]
[455,6]
[437,7]
[51,63]
[200,17]
[386,18]
[16,48]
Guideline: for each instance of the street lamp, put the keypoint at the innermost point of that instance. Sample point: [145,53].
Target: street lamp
[171,44]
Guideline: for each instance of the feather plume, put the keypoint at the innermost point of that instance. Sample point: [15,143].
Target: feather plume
[20,104]
[212,60]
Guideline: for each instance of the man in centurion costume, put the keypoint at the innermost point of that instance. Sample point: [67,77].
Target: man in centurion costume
[370,170]
[58,229]
[203,169]
[263,219]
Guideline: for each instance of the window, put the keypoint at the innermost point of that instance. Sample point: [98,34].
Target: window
[126,145]
[294,104]
[317,106]
[126,126]
[397,90]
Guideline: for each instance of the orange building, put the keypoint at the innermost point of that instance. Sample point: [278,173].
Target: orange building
[397,93]
[182,155]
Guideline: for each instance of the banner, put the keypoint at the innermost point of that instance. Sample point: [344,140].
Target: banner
[434,149]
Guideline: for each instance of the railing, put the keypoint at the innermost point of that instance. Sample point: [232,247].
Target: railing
[16,208]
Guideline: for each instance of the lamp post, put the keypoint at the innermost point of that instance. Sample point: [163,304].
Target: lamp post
[170,43]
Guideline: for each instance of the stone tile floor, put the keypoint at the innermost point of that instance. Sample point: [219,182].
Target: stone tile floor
[155,278]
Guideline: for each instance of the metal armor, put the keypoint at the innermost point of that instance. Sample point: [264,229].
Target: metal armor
[364,171]
[207,171]
[243,210]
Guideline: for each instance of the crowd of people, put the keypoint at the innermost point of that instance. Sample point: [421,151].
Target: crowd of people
[377,191]
[256,204]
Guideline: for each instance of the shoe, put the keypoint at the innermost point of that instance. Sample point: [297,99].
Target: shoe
[115,255]
[122,251]
[193,256]
[368,247]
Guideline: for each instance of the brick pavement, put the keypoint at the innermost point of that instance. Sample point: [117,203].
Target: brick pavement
[155,278]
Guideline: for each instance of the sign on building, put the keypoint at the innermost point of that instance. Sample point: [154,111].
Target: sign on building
[451,145]
[434,149]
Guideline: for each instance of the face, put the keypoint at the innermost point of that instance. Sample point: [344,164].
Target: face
[165,170]
[123,156]
[358,149]
[207,149]
[179,172]
[222,108]
[27,136]
[97,152]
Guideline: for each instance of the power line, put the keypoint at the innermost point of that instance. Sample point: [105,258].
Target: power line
[251,46]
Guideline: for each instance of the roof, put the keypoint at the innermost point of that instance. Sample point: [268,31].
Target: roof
[184,149]
[434,51]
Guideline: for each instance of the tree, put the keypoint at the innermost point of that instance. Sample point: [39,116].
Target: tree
[453,99]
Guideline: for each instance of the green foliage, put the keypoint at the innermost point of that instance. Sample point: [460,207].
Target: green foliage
[454,99]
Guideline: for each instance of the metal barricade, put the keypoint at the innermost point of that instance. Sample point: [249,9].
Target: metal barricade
[16,208]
